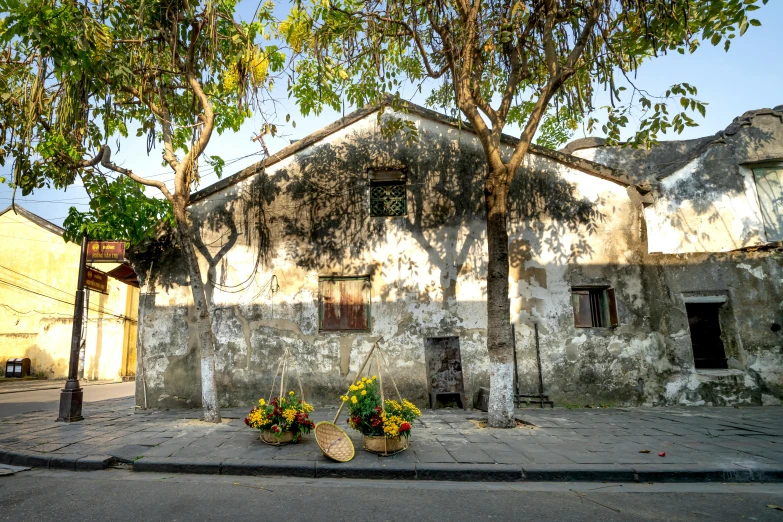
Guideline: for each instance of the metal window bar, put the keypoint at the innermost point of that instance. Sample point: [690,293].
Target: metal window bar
[388,199]
[596,309]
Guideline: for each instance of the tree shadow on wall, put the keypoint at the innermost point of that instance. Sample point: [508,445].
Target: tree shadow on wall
[327,205]
[239,217]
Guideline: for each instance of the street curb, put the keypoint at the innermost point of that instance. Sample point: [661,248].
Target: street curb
[582,473]
[178,465]
[287,468]
[469,472]
[391,470]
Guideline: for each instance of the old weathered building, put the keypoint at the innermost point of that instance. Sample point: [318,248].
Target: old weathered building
[643,277]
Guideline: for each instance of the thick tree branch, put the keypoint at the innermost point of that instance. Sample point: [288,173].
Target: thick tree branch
[104,159]
[555,82]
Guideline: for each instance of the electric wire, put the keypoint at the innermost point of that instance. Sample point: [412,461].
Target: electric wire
[62,301]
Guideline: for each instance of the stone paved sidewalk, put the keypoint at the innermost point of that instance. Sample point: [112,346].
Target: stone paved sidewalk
[700,444]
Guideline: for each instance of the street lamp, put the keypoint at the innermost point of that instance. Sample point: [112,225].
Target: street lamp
[71,395]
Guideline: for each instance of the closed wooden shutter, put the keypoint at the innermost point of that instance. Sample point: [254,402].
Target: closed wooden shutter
[345,303]
[769,185]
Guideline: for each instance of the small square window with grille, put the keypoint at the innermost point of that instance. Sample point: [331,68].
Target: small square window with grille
[594,307]
[388,198]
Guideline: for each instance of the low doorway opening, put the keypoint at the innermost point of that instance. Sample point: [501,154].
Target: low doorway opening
[445,383]
[709,351]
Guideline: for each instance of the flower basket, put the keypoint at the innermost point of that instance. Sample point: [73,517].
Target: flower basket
[383,445]
[270,438]
[281,421]
[385,424]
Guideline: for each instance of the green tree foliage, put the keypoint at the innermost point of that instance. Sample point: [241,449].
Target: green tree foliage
[537,64]
[119,210]
[74,75]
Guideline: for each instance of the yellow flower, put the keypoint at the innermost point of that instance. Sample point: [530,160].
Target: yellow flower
[364,392]
[291,392]
[352,387]
[289,414]
[343,398]
[413,409]
[354,400]
[306,407]
[374,377]
[261,402]
[361,386]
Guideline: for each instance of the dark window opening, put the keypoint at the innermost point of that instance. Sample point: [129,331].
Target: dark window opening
[594,307]
[388,198]
[704,324]
[344,303]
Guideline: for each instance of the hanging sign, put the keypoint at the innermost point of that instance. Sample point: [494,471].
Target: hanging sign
[105,251]
[96,280]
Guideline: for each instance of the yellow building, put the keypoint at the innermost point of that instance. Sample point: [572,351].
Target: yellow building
[38,273]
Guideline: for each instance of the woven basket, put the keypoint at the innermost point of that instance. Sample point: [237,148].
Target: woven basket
[384,446]
[334,442]
[286,438]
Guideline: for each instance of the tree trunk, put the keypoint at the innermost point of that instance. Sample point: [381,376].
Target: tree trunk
[203,321]
[499,341]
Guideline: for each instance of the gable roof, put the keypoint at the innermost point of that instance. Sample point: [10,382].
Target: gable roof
[734,127]
[38,220]
[667,157]
[581,164]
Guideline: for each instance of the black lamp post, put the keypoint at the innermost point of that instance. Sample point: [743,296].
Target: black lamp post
[71,395]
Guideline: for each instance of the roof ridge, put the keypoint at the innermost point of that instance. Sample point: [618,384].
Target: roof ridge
[584,165]
[35,218]
[733,128]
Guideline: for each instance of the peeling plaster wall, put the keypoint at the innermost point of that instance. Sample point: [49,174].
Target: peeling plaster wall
[709,202]
[265,241]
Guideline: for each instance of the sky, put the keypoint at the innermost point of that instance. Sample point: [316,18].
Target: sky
[748,77]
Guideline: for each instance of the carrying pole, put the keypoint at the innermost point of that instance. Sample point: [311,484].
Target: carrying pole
[538,360]
[361,369]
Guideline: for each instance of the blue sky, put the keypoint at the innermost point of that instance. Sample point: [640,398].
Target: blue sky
[749,76]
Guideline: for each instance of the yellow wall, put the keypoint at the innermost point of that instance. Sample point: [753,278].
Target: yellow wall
[40,326]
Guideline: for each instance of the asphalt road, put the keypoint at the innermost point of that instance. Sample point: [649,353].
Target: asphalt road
[26,401]
[123,495]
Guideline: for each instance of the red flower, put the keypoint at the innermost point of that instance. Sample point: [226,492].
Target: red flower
[247,421]
[275,429]
[405,426]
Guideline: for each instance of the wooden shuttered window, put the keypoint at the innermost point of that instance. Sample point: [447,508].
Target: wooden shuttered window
[594,307]
[344,303]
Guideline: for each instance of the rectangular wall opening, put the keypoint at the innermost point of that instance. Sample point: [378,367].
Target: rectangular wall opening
[445,383]
[706,340]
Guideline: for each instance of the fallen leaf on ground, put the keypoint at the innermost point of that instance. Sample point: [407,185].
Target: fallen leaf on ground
[662,454]
[773,506]
[645,451]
